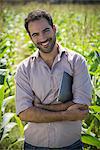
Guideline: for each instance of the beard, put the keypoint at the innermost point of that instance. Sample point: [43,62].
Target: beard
[48,47]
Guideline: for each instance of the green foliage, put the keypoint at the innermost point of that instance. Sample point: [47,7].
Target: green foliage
[8,119]
[91,128]
[77,29]
[91,140]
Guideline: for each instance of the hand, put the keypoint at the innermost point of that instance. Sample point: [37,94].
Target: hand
[39,105]
[78,106]
[36,101]
[78,112]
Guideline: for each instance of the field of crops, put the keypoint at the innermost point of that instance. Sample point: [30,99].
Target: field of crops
[77,29]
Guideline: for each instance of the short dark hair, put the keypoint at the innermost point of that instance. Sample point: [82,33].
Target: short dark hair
[37,15]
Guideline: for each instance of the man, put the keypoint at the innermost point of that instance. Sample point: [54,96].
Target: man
[51,123]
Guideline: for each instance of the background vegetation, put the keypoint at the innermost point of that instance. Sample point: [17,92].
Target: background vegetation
[77,29]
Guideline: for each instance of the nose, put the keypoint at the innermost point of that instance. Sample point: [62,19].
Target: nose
[42,37]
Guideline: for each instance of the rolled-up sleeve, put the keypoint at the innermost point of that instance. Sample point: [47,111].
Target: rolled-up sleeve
[24,93]
[82,87]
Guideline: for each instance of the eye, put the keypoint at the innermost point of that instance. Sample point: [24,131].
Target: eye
[46,30]
[34,34]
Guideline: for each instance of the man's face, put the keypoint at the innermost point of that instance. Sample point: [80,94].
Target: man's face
[42,35]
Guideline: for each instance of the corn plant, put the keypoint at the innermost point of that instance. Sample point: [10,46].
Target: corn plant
[8,119]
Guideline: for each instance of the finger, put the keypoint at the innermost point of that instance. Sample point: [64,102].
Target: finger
[83,106]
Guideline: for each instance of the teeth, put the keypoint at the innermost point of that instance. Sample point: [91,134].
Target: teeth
[45,43]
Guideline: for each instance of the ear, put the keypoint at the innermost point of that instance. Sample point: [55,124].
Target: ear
[54,28]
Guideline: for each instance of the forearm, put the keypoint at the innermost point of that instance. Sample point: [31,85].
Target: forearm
[55,107]
[38,115]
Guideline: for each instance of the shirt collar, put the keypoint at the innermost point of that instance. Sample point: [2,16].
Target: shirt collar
[60,49]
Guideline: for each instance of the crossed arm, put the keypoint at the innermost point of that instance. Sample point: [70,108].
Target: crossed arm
[70,111]
[42,113]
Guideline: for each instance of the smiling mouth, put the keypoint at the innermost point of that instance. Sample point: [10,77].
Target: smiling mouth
[45,43]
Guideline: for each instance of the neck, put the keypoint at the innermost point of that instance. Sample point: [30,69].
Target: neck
[49,57]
